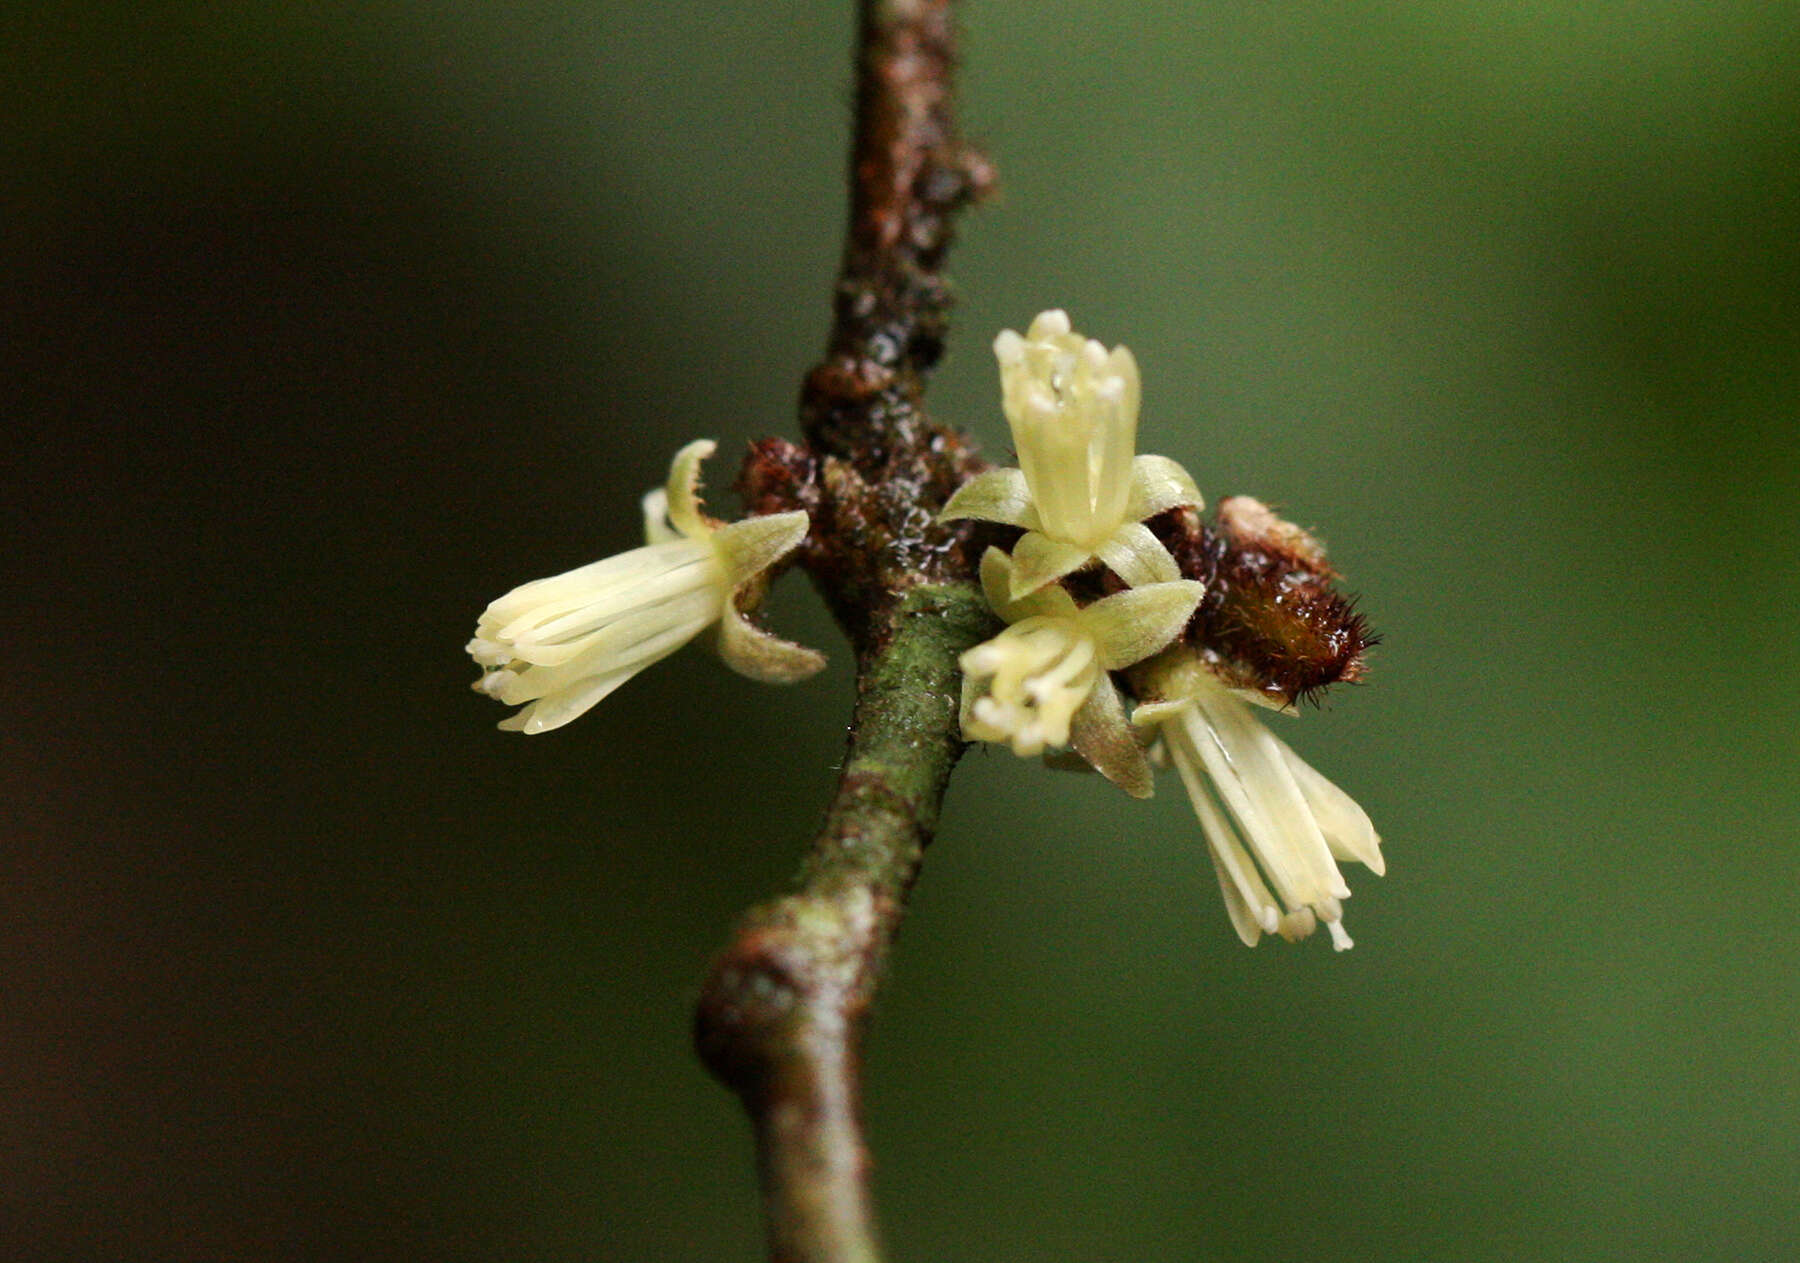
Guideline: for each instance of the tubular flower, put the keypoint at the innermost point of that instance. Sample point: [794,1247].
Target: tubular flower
[561,644]
[1283,826]
[1080,493]
[1044,682]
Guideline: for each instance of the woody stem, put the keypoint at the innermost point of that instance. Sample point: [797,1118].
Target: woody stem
[782,1013]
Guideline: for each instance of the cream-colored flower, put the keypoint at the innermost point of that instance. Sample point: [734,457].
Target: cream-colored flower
[1283,827]
[1080,492]
[563,643]
[1044,682]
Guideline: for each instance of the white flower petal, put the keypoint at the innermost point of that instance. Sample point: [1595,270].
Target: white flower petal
[1146,714]
[555,630]
[1243,919]
[1254,782]
[573,587]
[1029,682]
[549,713]
[1120,395]
[634,639]
[1346,826]
[1072,408]
[1252,908]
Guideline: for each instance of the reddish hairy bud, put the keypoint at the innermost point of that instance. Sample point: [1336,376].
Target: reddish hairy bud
[1271,617]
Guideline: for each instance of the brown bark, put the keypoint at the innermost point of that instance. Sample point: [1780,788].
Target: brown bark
[782,1014]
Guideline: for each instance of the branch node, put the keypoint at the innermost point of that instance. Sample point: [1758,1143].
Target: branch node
[781,1015]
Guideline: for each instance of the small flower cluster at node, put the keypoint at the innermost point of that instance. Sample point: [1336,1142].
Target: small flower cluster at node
[560,645]
[1115,572]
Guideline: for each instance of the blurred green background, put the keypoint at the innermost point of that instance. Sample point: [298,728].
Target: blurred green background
[325,326]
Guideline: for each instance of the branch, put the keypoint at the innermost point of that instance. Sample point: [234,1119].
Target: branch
[781,1016]
[909,175]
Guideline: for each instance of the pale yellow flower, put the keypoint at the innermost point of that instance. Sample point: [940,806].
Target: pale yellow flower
[562,644]
[1044,683]
[1080,492]
[1275,828]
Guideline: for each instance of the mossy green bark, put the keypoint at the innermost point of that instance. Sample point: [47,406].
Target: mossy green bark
[782,1017]
[904,742]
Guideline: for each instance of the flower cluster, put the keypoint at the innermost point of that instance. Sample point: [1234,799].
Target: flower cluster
[1134,631]
[559,645]
[1200,619]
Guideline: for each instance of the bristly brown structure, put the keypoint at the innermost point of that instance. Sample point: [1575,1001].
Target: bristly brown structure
[1271,617]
